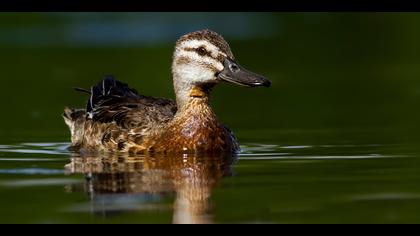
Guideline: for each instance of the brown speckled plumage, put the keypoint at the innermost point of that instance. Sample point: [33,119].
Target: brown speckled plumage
[118,119]
[195,129]
[151,125]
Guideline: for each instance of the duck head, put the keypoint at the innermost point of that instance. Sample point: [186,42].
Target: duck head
[201,60]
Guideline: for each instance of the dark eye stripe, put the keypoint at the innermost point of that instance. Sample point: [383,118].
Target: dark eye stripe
[208,54]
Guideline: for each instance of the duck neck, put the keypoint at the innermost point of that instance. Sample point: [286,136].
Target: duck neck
[195,118]
[187,94]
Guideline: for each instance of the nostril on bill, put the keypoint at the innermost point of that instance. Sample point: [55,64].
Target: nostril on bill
[234,68]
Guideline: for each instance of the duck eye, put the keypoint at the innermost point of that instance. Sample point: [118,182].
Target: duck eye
[202,51]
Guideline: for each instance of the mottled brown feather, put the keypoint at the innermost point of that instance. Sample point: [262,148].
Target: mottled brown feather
[154,128]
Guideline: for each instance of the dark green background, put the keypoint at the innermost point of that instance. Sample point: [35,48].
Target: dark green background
[338,79]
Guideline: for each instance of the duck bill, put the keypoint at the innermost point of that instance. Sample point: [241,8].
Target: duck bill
[236,74]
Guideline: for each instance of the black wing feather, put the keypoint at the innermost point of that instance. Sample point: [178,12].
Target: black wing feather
[107,90]
[113,100]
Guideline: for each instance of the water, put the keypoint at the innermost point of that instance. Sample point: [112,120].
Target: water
[334,140]
[267,183]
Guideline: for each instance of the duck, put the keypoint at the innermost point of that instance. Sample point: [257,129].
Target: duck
[118,119]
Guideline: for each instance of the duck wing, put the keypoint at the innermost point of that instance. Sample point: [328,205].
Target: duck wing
[114,101]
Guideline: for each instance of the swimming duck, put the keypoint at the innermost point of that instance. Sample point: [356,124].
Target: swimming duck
[119,119]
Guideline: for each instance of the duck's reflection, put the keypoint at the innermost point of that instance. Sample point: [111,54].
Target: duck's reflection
[190,178]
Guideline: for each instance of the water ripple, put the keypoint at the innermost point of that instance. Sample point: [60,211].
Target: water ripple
[39,182]
[250,151]
[296,147]
[33,151]
[89,207]
[267,157]
[59,148]
[32,171]
[31,159]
